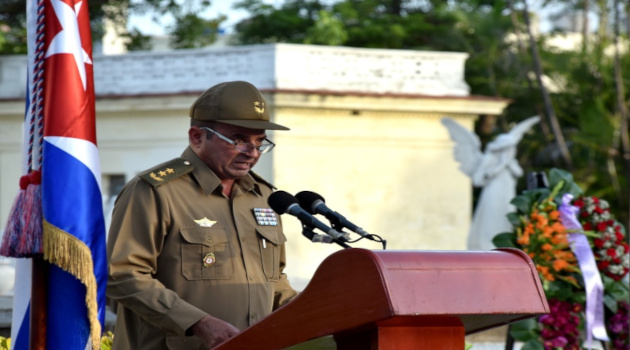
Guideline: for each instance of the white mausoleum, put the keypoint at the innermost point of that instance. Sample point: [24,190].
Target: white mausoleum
[365,132]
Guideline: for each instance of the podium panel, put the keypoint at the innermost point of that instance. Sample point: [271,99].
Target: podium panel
[403,300]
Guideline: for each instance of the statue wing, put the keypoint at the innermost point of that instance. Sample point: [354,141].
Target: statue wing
[521,128]
[467,146]
[514,136]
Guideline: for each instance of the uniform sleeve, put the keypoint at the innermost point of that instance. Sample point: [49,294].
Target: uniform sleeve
[284,292]
[136,238]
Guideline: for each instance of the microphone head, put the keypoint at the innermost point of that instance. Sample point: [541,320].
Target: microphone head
[280,201]
[307,199]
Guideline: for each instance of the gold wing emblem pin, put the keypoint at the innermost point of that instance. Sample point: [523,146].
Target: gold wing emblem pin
[205,222]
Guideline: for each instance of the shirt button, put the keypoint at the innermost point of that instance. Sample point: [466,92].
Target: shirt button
[209,239]
[251,277]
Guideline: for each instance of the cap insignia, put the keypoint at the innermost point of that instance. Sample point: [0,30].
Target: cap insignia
[205,222]
[259,107]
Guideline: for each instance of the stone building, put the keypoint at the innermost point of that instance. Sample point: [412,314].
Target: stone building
[365,132]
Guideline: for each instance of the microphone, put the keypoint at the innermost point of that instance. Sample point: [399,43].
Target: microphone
[282,202]
[314,203]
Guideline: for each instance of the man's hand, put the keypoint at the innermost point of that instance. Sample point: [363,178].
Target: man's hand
[213,331]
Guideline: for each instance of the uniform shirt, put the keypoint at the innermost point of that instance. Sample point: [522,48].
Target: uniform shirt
[179,250]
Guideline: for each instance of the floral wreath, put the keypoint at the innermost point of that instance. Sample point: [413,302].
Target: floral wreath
[548,224]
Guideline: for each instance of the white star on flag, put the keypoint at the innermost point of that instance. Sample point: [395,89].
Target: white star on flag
[69,39]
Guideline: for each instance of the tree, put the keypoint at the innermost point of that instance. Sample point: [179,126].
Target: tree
[190,28]
[266,24]
[584,92]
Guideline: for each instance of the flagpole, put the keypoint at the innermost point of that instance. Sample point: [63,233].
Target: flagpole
[37,339]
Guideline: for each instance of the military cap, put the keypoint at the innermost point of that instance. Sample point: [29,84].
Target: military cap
[235,102]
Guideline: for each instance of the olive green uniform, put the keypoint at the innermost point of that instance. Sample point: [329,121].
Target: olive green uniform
[180,250]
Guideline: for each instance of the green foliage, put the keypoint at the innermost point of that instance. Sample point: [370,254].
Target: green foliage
[523,331]
[107,341]
[327,30]
[5,343]
[192,31]
[137,41]
[504,240]
[13,23]
[12,39]
[189,31]
[290,23]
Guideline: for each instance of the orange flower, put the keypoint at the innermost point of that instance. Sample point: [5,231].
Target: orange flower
[559,239]
[565,255]
[547,247]
[544,271]
[547,231]
[529,229]
[554,215]
[524,240]
[559,265]
[559,227]
[541,222]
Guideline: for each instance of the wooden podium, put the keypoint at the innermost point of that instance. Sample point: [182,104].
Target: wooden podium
[403,300]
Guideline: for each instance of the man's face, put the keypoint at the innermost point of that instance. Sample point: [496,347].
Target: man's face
[220,156]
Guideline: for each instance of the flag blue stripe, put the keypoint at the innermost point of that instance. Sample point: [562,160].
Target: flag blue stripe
[20,342]
[71,201]
[66,324]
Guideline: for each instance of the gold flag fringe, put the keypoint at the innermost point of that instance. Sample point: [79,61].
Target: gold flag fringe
[74,257]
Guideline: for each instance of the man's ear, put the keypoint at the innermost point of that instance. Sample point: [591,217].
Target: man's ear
[195,137]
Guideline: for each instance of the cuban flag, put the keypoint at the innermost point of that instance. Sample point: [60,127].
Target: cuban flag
[73,226]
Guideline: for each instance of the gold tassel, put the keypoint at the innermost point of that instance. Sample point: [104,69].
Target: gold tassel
[75,257]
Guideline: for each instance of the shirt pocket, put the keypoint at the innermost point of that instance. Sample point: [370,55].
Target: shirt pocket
[206,254]
[270,240]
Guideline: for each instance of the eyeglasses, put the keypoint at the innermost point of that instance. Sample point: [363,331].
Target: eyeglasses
[244,147]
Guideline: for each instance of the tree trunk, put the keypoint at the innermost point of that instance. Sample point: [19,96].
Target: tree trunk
[553,120]
[523,50]
[396,7]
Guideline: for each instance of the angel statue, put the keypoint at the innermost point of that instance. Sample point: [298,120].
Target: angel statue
[496,171]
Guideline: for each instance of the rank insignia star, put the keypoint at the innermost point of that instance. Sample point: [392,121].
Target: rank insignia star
[205,222]
[161,173]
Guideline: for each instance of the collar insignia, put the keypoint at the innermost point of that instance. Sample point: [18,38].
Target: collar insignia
[205,222]
[265,217]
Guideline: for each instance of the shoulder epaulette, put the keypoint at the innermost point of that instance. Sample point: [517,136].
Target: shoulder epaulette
[259,178]
[166,172]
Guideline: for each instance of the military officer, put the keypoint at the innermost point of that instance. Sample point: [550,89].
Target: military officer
[195,252]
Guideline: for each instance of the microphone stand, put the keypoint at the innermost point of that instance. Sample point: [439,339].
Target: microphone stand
[337,225]
[307,231]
